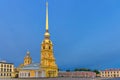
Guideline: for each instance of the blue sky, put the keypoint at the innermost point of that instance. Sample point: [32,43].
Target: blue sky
[85,33]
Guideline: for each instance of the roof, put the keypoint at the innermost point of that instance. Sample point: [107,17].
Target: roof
[4,62]
[33,66]
[111,70]
[76,72]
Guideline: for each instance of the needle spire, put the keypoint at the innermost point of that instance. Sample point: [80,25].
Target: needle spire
[46,16]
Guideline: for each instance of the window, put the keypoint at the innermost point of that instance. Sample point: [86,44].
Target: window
[1,65]
[25,74]
[28,74]
[10,70]
[49,47]
[7,70]
[1,69]
[43,47]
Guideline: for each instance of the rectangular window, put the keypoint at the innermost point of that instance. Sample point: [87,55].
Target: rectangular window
[10,74]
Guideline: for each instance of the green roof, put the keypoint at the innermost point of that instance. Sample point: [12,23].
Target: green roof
[33,66]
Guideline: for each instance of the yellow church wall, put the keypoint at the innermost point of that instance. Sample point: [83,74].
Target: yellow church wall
[32,73]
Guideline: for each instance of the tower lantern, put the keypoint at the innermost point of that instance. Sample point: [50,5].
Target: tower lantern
[27,59]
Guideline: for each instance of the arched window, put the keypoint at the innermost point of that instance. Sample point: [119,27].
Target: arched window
[49,47]
[43,47]
[28,74]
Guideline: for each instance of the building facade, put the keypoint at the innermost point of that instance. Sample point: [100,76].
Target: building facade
[30,71]
[84,74]
[110,73]
[6,70]
[48,62]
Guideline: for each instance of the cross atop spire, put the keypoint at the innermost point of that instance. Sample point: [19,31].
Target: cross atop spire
[46,16]
[28,53]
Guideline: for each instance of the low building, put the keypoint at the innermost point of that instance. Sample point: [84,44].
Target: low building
[30,71]
[77,74]
[6,70]
[110,73]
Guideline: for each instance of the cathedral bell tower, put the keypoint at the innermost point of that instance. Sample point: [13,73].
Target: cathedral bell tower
[47,56]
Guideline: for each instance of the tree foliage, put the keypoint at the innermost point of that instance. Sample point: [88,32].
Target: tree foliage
[82,69]
[96,71]
[67,70]
[86,69]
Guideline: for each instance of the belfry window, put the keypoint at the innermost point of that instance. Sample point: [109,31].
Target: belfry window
[43,47]
[49,47]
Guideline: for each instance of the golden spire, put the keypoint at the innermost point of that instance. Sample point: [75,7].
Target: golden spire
[46,16]
[47,35]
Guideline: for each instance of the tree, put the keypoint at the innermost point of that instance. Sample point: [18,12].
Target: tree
[76,69]
[81,69]
[67,70]
[96,71]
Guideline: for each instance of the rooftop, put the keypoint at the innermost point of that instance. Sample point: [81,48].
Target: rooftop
[33,66]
